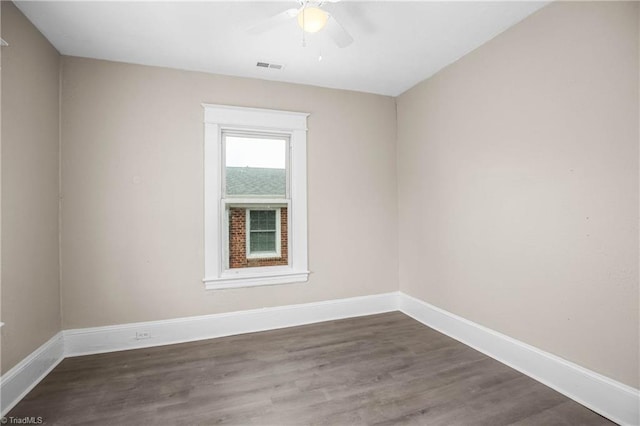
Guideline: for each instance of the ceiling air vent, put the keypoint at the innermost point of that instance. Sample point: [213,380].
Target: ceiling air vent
[268,65]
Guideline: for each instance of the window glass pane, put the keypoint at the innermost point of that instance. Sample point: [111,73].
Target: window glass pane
[262,242]
[255,166]
[263,220]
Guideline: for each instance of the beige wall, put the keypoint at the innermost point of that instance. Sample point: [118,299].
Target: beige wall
[132,187]
[30,159]
[518,185]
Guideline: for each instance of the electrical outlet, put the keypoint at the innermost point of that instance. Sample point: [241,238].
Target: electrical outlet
[142,335]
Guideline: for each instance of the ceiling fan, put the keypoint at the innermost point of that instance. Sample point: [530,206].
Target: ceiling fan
[311,18]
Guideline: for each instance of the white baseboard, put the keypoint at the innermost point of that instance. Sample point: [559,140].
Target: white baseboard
[17,382]
[122,337]
[614,400]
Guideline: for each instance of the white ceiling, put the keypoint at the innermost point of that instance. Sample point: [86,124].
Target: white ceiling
[397,44]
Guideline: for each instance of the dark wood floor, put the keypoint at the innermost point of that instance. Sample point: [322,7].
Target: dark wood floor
[380,369]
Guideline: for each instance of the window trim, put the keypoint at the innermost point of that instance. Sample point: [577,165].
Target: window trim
[219,118]
[263,255]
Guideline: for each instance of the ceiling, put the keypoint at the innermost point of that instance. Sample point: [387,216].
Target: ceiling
[397,44]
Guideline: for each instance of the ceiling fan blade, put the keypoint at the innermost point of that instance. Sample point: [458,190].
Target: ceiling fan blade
[339,35]
[274,21]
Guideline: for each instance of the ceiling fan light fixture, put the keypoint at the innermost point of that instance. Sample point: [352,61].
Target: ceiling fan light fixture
[312,19]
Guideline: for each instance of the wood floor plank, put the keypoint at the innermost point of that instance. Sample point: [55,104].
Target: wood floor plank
[382,369]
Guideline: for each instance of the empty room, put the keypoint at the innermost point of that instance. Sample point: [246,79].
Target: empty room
[320,212]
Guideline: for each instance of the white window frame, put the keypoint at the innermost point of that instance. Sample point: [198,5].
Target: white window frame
[269,254]
[222,118]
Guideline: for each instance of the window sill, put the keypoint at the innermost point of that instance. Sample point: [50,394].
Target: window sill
[240,280]
[265,256]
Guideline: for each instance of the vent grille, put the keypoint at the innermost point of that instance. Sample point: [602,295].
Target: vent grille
[269,65]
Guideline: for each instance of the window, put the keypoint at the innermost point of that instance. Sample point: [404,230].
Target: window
[263,236]
[255,165]
[255,197]
[255,188]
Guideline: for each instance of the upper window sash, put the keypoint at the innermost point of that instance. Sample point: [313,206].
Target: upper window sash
[286,137]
